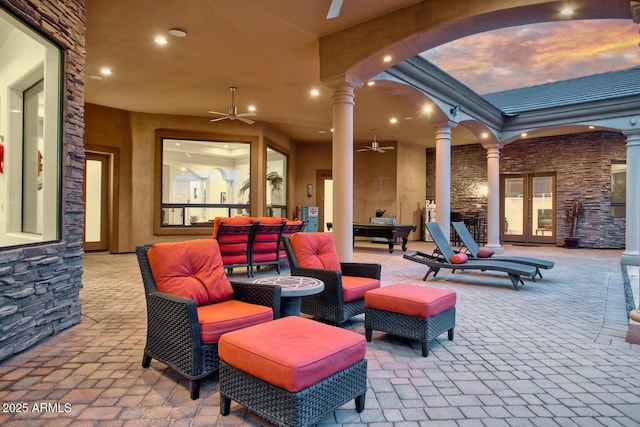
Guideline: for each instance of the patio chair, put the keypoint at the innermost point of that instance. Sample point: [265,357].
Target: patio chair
[235,236]
[265,247]
[446,257]
[191,303]
[473,250]
[313,254]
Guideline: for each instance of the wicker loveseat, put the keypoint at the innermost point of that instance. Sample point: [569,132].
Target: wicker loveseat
[345,283]
[191,303]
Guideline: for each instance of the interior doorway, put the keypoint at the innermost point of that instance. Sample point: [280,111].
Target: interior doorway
[324,197]
[527,208]
[96,202]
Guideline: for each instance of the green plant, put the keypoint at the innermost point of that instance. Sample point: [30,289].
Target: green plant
[571,215]
[274,179]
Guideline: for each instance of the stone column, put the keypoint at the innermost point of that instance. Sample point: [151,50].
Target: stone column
[493,199]
[342,170]
[443,177]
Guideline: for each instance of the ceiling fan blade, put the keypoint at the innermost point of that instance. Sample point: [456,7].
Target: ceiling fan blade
[379,150]
[365,149]
[334,9]
[247,121]
[217,112]
[220,118]
[386,148]
[247,114]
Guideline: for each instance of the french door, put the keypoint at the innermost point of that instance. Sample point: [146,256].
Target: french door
[527,208]
[96,192]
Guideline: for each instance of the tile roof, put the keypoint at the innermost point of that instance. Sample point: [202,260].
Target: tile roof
[597,87]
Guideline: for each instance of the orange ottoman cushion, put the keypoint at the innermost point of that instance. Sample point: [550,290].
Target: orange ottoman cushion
[227,316]
[411,300]
[292,352]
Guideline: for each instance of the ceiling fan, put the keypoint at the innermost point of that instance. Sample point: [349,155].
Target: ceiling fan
[375,145]
[334,9]
[233,111]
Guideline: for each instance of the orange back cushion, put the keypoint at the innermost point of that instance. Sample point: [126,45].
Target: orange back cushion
[315,250]
[240,220]
[191,269]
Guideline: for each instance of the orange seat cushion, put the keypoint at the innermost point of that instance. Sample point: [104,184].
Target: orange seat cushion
[315,250]
[292,352]
[354,288]
[240,220]
[411,300]
[191,269]
[227,316]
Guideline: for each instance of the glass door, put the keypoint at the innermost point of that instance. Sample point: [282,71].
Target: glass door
[528,208]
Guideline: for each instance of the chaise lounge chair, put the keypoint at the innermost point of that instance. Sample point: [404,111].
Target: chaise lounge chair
[446,257]
[474,251]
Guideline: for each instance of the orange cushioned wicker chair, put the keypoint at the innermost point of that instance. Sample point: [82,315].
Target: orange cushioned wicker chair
[191,303]
[314,255]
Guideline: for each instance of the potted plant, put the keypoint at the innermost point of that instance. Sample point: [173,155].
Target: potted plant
[572,213]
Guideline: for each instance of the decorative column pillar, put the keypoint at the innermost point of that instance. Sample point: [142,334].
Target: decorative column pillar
[342,170]
[443,177]
[493,199]
[631,253]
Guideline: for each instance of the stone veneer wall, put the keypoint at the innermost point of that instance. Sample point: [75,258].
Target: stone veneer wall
[582,163]
[40,284]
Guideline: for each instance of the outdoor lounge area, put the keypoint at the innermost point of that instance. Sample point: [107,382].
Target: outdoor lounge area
[553,353]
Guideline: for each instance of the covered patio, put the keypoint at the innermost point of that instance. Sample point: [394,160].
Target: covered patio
[553,353]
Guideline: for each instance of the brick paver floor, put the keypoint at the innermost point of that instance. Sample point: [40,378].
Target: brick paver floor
[550,354]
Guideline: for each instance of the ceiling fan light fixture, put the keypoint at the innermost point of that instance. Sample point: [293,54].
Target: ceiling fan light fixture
[177,32]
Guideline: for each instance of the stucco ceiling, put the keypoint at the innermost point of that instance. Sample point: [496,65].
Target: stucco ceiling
[269,49]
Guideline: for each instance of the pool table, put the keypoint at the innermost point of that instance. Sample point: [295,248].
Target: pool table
[391,232]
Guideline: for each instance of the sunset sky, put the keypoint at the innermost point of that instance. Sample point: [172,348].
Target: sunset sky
[541,53]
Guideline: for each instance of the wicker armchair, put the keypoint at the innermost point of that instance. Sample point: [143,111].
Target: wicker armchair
[174,334]
[344,283]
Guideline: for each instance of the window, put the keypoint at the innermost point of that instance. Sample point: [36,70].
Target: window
[618,189]
[276,183]
[30,79]
[203,179]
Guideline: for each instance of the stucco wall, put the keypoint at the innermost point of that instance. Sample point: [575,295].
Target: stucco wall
[40,284]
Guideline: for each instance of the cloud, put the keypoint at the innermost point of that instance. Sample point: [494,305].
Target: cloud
[541,53]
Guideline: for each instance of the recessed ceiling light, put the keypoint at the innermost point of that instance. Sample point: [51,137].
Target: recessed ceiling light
[428,108]
[105,71]
[408,117]
[251,108]
[524,134]
[387,58]
[160,40]
[371,83]
[484,135]
[592,127]
[393,120]
[96,77]
[322,131]
[314,92]
[566,11]
[178,32]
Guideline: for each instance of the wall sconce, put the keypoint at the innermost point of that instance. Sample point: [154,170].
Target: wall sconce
[309,190]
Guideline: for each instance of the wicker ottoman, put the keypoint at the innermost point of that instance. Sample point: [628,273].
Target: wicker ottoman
[292,371]
[410,311]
